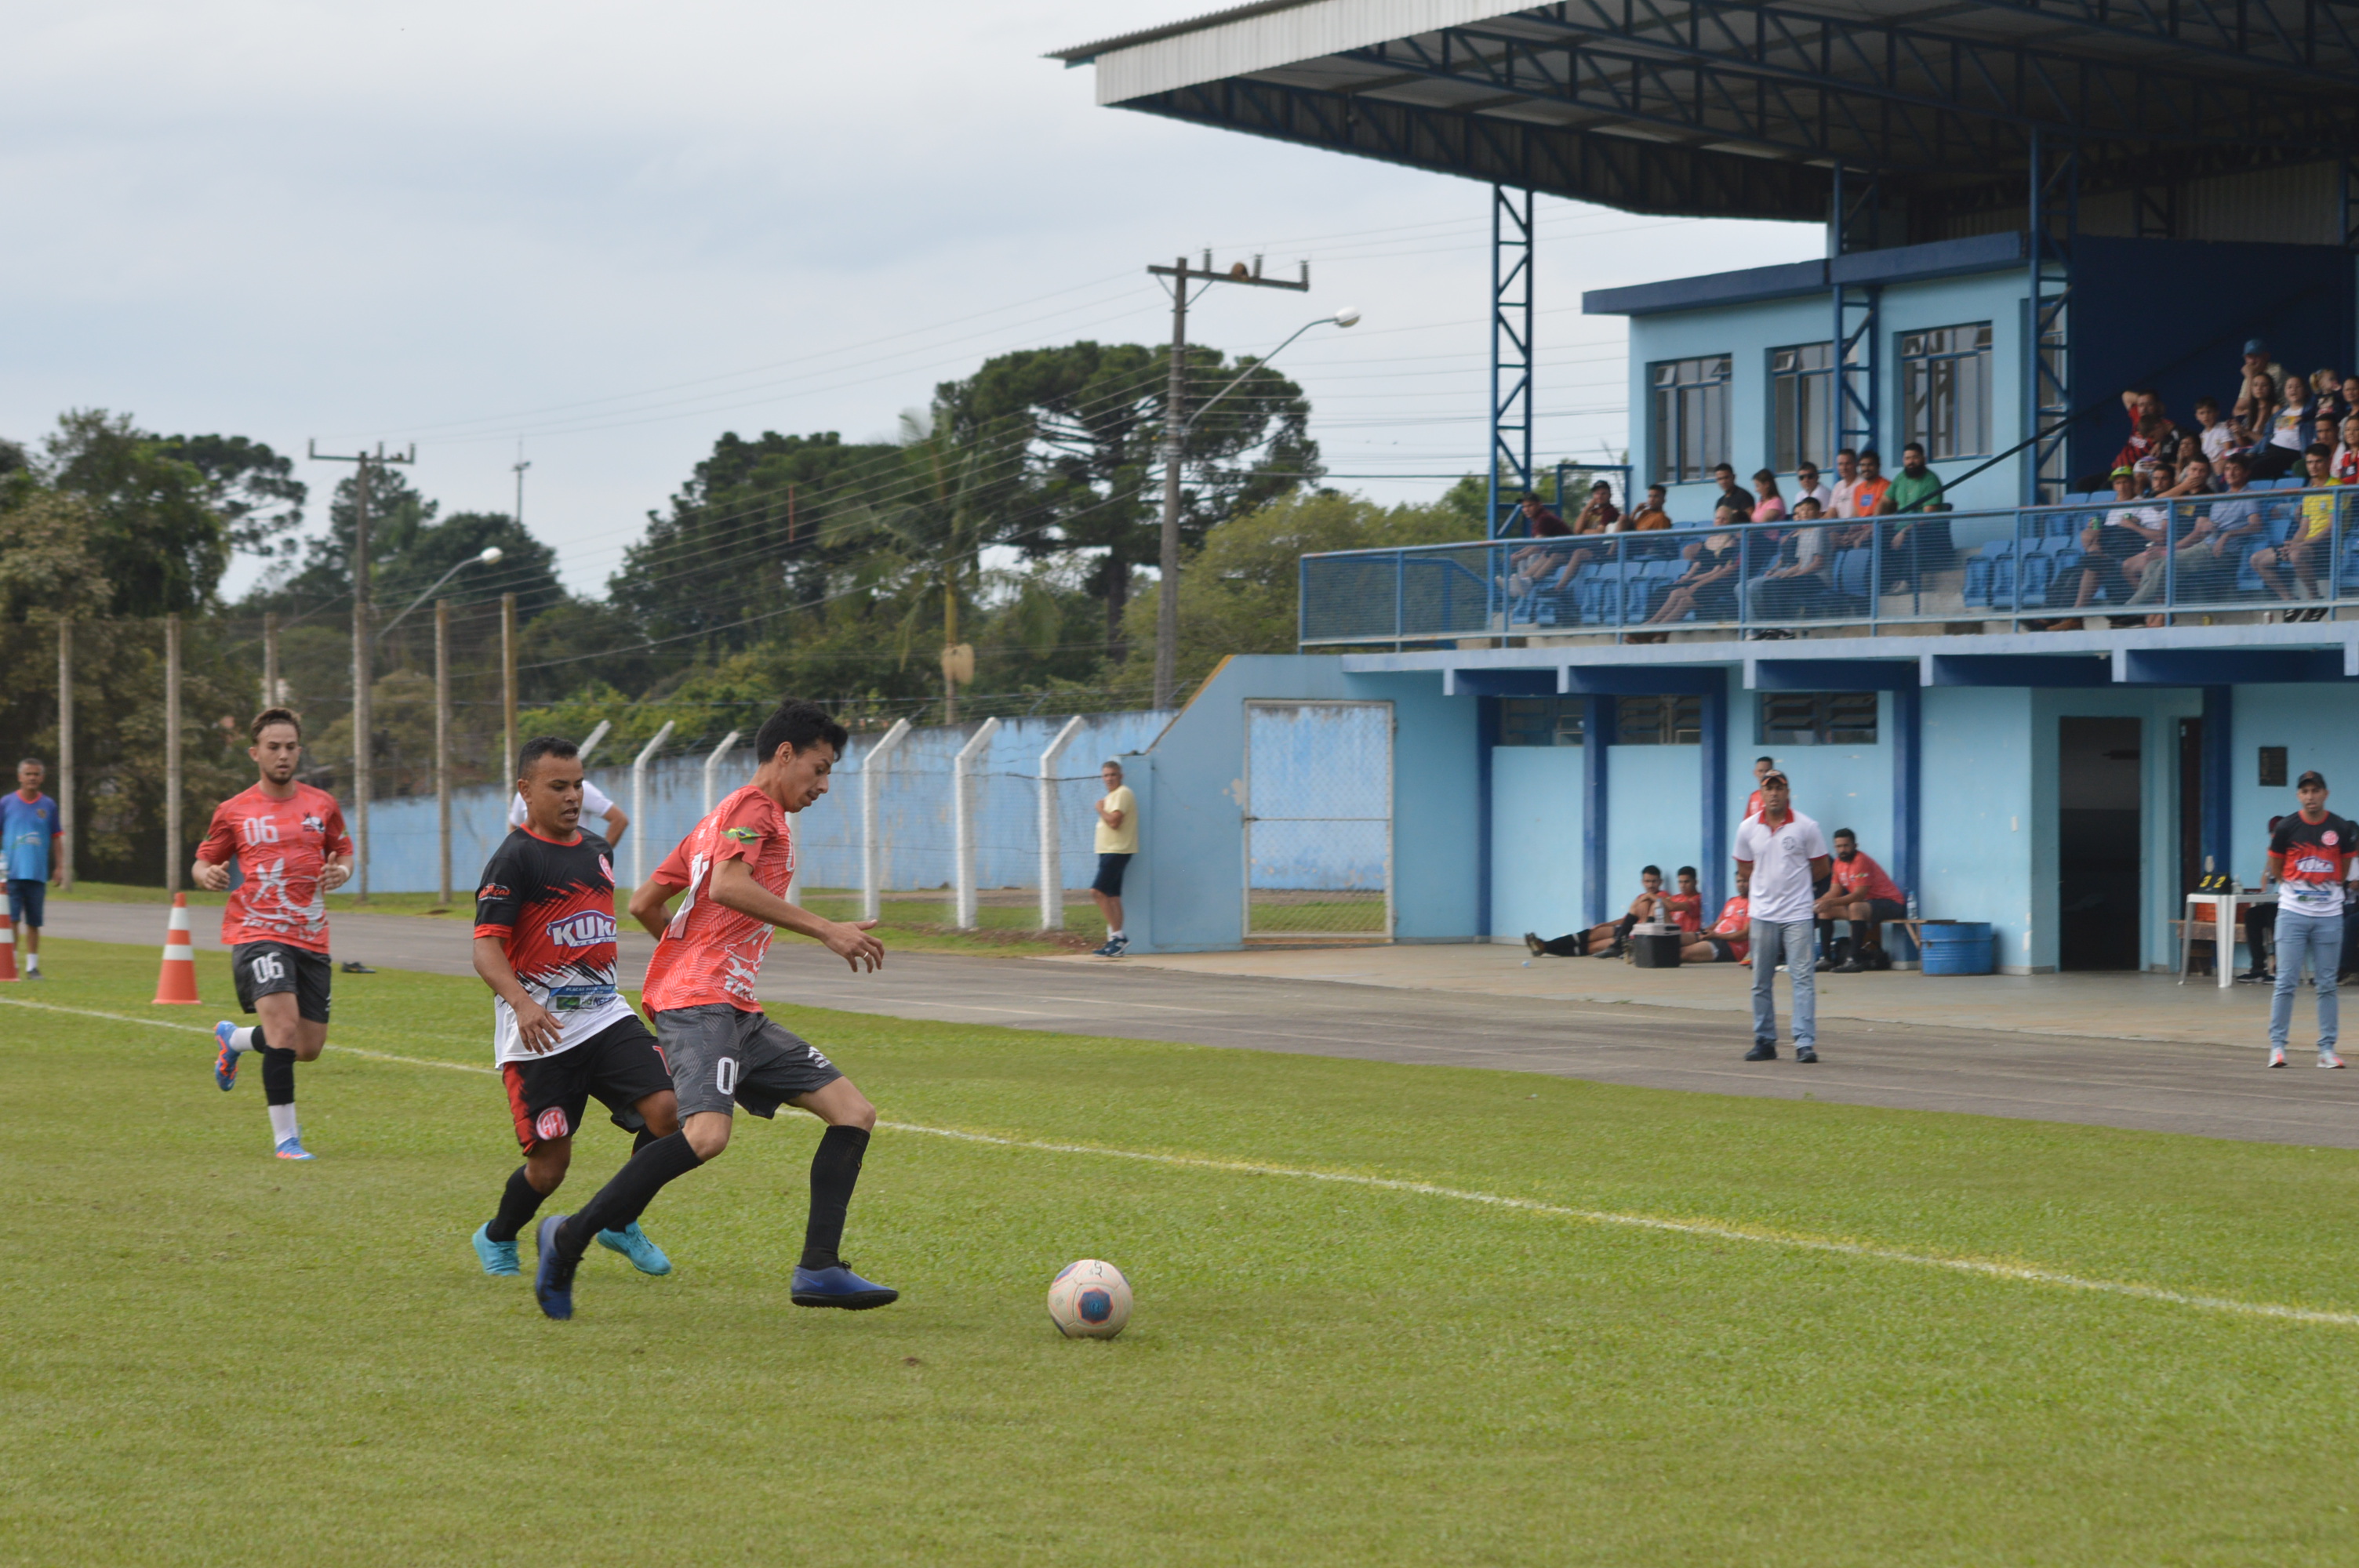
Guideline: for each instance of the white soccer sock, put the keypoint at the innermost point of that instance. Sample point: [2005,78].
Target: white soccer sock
[1113,936]
[240,1039]
[282,1123]
[32,963]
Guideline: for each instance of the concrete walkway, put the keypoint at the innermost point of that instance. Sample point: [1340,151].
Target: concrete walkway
[1478,1007]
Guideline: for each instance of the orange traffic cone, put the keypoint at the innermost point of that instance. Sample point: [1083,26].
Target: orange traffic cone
[177,981]
[7,950]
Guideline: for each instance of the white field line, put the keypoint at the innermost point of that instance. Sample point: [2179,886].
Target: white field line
[2018,1273]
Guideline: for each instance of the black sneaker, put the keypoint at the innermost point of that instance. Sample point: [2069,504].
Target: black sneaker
[1851,967]
[1763,1050]
[1532,944]
[1805,1054]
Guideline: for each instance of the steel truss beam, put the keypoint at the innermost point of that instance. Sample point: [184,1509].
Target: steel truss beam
[1853,226]
[2310,38]
[2054,200]
[1511,352]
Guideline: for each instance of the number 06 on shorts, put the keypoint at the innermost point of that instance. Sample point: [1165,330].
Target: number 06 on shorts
[722,1058]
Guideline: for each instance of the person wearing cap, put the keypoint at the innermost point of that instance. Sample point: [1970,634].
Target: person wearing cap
[1781,858]
[2309,856]
[2124,534]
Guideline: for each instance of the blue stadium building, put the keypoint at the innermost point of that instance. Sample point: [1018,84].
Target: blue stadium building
[2040,703]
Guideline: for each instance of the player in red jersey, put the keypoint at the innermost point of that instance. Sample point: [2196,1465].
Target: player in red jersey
[734,867]
[291,849]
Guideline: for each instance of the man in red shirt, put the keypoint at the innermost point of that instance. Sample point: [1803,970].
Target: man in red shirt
[1859,891]
[1730,938]
[735,867]
[1761,768]
[291,851]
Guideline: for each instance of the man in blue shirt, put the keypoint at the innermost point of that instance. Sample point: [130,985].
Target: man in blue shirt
[28,846]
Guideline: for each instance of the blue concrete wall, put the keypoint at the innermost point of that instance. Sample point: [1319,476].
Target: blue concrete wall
[1835,786]
[2318,728]
[1979,814]
[1437,815]
[1535,848]
[1653,818]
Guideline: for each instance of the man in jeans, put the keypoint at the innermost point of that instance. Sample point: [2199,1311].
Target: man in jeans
[2308,855]
[1780,858]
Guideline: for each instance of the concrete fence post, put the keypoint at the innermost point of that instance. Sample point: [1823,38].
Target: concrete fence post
[589,745]
[1052,830]
[639,801]
[970,756]
[872,845]
[713,761]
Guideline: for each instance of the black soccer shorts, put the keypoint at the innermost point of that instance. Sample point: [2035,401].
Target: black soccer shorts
[719,1054]
[620,1064]
[270,968]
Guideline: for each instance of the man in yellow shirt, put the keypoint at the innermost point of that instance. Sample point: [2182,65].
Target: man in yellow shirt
[1117,841]
[2312,537]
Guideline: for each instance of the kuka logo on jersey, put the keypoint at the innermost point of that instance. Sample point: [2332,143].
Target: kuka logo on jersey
[590,928]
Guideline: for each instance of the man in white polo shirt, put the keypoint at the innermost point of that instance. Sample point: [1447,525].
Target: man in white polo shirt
[1779,858]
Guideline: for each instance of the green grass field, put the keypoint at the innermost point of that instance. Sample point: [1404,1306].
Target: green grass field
[213,1357]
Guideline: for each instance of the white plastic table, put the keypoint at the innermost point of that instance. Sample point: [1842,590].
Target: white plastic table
[2223,913]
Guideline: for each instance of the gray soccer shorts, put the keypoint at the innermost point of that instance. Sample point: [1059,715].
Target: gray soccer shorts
[718,1055]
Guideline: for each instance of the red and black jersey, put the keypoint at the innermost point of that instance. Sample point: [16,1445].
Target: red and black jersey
[2316,857]
[551,908]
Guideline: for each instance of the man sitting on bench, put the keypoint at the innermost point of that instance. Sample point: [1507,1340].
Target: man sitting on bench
[1728,941]
[1858,892]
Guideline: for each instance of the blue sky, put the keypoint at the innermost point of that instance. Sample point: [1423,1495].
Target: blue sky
[612,231]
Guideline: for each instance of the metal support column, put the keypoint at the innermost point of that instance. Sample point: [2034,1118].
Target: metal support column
[2348,183]
[1511,356]
[2055,221]
[1712,869]
[1486,736]
[1851,227]
[2219,744]
[1907,793]
[1596,735]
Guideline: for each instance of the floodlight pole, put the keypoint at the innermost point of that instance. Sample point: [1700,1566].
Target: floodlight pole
[364,720]
[1175,442]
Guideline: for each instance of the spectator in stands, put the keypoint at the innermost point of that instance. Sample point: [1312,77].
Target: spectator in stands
[2210,551]
[1761,768]
[2257,363]
[2307,545]
[1598,515]
[1867,493]
[2326,394]
[1860,893]
[1728,941]
[1652,515]
[2195,478]
[1920,542]
[1769,507]
[1610,939]
[1800,582]
[1708,591]
[2217,435]
[1542,519]
[2288,431]
[2152,434]
[2326,429]
[2108,545]
[2345,462]
[1806,484]
[1536,561]
[1838,501]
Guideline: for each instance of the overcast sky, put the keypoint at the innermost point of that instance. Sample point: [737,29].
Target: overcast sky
[612,231]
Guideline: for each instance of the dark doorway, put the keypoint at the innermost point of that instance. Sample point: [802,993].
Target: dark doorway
[2190,805]
[2097,844]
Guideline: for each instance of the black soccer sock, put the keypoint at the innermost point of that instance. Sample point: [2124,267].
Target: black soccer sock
[254,1040]
[519,1201]
[1859,929]
[834,1172]
[627,1192]
[277,1075]
[647,1136]
[1826,937]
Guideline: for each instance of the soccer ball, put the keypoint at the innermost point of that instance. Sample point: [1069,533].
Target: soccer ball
[1088,1299]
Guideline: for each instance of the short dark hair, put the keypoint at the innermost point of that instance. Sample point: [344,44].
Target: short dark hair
[2207,401]
[2319,449]
[271,716]
[2241,460]
[541,746]
[1845,452]
[1916,446]
[798,723]
[1651,871]
[1771,761]
[1687,871]
[1846,833]
[1867,452]
[2311,777]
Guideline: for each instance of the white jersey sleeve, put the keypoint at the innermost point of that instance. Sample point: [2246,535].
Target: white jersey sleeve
[595,803]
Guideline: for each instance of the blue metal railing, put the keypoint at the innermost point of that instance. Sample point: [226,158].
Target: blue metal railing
[2257,549]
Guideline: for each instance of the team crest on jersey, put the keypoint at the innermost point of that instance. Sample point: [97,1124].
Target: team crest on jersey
[2328,839]
[550,1124]
[590,928]
[605,868]
[315,825]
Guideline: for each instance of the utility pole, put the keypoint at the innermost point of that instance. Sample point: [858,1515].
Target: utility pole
[172,749]
[442,744]
[520,465]
[270,659]
[1175,441]
[507,693]
[364,719]
[65,754]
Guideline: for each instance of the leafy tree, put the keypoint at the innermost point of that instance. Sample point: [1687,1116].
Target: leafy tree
[1239,593]
[250,488]
[49,560]
[153,531]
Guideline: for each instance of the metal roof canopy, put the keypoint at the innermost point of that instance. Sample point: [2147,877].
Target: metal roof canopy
[1715,108]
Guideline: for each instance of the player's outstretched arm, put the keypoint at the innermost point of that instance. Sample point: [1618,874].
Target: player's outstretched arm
[733,887]
[539,1031]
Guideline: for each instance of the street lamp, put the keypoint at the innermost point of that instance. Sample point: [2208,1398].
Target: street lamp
[1167,616]
[490,557]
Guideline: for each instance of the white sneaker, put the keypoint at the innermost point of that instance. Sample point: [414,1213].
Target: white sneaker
[2329,1059]
[2276,1056]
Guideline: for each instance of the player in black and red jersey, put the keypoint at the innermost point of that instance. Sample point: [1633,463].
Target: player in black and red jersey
[2309,856]
[545,943]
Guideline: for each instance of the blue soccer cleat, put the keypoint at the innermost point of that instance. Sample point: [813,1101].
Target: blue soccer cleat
[226,1065]
[632,1243]
[499,1257]
[553,1280]
[839,1287]
[292,1149]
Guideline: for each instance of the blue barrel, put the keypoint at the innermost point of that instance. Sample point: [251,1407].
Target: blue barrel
[1957,947]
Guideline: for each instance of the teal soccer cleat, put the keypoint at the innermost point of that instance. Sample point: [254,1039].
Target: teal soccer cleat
[292,1149]
[499,1257]
[226,1065]
[632,1243]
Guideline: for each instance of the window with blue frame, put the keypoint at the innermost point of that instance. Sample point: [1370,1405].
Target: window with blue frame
[1817,719]
[1802,407]
[1540,721]
[1690,417]
[1659,720]
[1945,391]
